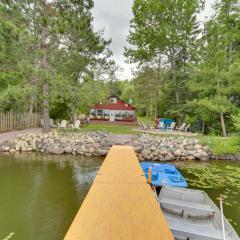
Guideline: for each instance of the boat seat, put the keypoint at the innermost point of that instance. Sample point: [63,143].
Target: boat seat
[195,231]
[185,208]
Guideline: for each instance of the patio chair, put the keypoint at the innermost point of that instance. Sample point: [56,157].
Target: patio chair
[62,125]
[187,128]
[76,125]
[161,126]
[51,123]
[148,126]
[182,127]
[140,124]
[172,126]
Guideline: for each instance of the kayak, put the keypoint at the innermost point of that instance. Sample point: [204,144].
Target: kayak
[164,174]
[192,215]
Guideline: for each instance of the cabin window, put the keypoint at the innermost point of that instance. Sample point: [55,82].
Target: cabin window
[106,113]
[93,112]
[100,112]
[113,100]
[125,114]
[118,115]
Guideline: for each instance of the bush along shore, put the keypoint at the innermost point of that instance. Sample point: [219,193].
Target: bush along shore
[148,148]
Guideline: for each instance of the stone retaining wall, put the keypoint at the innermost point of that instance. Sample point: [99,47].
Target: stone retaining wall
[147,147]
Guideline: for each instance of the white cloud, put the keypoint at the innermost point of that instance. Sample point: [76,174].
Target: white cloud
[114,16]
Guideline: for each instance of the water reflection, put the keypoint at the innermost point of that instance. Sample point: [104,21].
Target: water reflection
[40,194]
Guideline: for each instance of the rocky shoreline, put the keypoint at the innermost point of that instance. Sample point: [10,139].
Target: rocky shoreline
[148,148]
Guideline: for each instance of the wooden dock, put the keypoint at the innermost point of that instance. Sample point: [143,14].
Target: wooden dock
[120,204]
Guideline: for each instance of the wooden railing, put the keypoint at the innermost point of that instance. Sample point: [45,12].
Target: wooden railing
[10,121]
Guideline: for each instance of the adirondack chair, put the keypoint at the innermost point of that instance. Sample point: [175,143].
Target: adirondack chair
[62,125]
[186,128]
[182,127]
[141,125]
[76,125]
[172,126]
[51,123]
[161,126]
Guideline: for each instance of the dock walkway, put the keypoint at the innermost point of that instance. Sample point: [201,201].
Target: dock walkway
[120,204]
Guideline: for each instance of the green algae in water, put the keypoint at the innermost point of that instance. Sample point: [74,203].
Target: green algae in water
[218,179]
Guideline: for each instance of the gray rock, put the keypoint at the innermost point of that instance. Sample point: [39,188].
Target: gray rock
[6,149]
[102,152]
[145,152]
[55,150]
[178,152]
[164,151]
[68,149]
[198,147]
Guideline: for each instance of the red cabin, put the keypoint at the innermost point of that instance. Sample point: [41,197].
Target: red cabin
[115,110]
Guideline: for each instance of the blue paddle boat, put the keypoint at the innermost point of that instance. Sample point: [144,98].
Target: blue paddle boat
[164,174]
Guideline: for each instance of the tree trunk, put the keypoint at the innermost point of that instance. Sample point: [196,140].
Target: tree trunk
[74,115]
[30,111]
[203,127]
[147,111]
[177,96]
[156,104]
[46,67]
[223,125]
[46,127]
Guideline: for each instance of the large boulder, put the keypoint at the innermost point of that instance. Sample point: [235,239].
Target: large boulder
[178,153]
[55,149]
[68,149]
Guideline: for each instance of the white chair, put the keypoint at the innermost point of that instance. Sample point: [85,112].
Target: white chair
[62,125]
[186,128]
[76,125]
[172,126]
[51,123]
[182,127]
[161,126]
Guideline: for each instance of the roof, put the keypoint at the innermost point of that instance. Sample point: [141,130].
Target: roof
[120,105]
[120,204]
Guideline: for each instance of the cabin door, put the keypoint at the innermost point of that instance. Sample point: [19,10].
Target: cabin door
[112,116]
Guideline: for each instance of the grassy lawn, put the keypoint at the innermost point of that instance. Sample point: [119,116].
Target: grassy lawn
[221,145]
[118,129]
[146,120]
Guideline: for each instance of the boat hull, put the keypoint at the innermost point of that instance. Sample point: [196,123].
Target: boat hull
[191,214]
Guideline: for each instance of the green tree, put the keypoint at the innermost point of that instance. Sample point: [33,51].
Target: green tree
[214,79]
[164,31]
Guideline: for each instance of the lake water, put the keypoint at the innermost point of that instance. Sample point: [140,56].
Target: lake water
[41,194]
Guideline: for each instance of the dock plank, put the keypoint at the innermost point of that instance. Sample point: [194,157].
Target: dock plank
[120,204]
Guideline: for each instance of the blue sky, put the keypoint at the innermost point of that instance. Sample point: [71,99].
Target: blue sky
[113,16]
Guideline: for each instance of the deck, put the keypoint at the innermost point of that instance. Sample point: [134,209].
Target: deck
[120,204]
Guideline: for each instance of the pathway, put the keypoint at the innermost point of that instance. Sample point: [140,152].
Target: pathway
[10,136]
[121,139]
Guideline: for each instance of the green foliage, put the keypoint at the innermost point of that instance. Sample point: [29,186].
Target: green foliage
[52,43]
[236,121]
[221,145]
[223,179]
[198,71]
